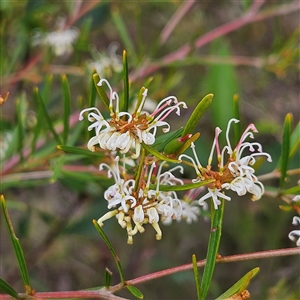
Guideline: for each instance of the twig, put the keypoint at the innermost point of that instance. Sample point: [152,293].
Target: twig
[249,17]
[170,26]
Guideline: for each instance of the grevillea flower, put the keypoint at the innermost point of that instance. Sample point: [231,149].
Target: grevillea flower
[125,131]
[237,173]
[295,234]
[60,40]
[135,204]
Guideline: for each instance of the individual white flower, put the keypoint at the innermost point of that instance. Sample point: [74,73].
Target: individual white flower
[60,40]
[125,131]
[295,234]
[237,173]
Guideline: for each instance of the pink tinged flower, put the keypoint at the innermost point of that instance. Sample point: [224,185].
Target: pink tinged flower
[295,234]
[215,194]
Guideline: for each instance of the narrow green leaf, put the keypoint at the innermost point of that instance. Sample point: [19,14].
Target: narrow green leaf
[100,90]
[162,140]
[285,148]
[124,35]
[93,91]
[135,291]
[108,276]
[21,106]
[295,141]
[158,154]
[47,88]
[46,115]
[197,114]
[240,285]
[213,247]
[184,187]
[17,246]
[124,105]
[293,190]
[179,145]
[7,289]
[67,106]
[196,275]
[57,169]
[112,250]
[80,151]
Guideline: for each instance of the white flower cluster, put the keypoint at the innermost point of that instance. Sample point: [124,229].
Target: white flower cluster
[295,234]
[125,131]
[136,204]
[237,174]
[60,40]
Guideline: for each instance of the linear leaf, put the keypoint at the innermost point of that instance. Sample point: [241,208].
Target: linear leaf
[295,140]
[100,90]
[135,291]
[67,106]
[158,154]
[213,247]
[46,115]
[17,246]
[108,276]
[285,148]
[124,35]
[80,151]
[240,285]
[93,91]
[124,105]
[184,187]
[7,289]
[112,250]
[196,275]
[197,114]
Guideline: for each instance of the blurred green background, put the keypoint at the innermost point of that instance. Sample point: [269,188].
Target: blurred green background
[52,197]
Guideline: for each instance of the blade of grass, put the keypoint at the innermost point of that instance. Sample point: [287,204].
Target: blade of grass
[112,250]
[213,247]
[46,115]
[17,247]
[67,107]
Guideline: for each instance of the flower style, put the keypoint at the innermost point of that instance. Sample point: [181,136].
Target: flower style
[60,40]
[125,131]
[237,173]
[136,204]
